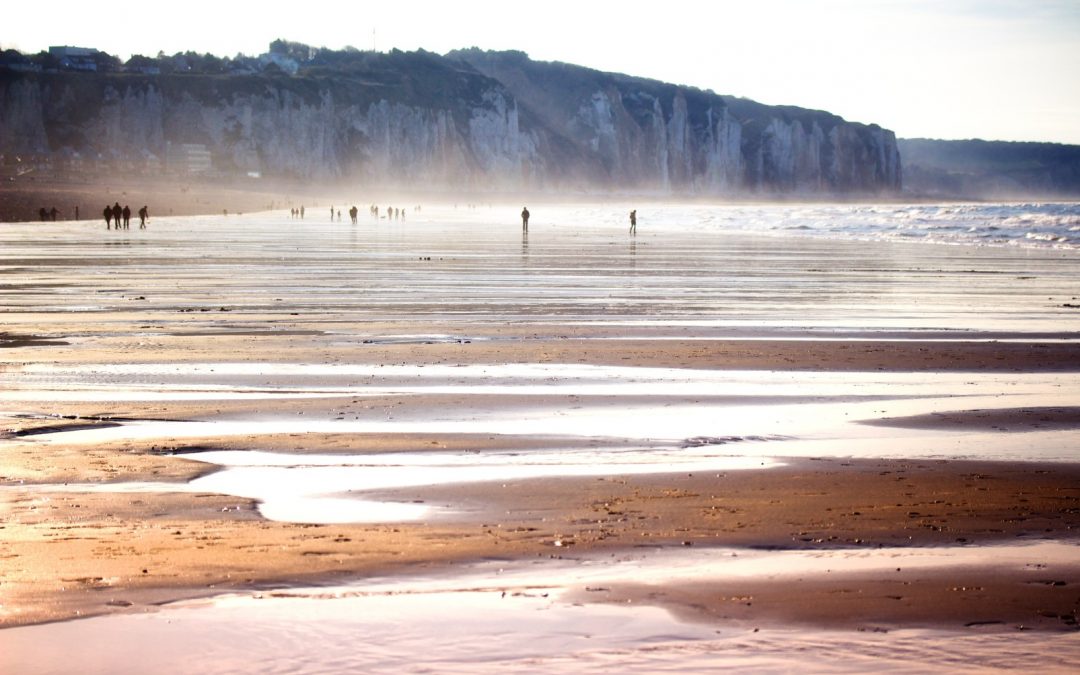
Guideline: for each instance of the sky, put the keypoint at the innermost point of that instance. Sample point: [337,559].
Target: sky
[950,69]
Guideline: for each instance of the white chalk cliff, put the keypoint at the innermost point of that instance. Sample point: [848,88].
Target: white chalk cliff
[481,120]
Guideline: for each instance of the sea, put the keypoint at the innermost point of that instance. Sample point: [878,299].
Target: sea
[1023,224]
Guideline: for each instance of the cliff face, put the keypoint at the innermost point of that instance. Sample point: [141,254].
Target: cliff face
[649,134]
[472,119]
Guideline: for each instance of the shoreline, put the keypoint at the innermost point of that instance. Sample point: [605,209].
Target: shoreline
[198,196]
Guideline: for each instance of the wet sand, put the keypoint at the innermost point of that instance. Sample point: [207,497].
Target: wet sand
[987,330]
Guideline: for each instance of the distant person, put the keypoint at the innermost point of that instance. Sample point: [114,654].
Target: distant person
[352,214]
[339,215]
[127,217]
[108,216]
[43,214]
[117,214]
[633,222]
[524,219]
[144,215]
[301,212]
[53,213]
[331,214]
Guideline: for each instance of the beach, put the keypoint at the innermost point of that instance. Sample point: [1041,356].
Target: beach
[254,404]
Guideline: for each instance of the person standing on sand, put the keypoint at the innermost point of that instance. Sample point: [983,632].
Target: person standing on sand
[524,219]
[127,217]
[144,214]
[117,214]
[108,217]
[633,222]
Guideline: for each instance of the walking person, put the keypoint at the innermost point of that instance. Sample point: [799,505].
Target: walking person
[633,222]
[524,219]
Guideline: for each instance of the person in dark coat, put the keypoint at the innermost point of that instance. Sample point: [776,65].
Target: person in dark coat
[524,219]
[127,217]
[108,216]
[117,214]
[144,215]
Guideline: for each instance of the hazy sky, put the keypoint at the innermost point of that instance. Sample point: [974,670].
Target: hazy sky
[993,69]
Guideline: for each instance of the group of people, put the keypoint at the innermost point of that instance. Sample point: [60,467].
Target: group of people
[391,212]
[51,214]
[121,217]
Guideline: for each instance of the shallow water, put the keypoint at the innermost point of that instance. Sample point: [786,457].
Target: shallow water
[529,616]
[652,420]
[724,266]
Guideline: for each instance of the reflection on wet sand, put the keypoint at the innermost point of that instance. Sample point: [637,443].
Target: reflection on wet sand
[578,614]
[386,400]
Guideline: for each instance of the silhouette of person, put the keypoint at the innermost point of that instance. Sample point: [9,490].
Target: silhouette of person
[108,216]
[524,219]
[144,213]
[352,214]
[53,213]
[633,222]
[43,214]
[117,214]
[301,212]
[127,217]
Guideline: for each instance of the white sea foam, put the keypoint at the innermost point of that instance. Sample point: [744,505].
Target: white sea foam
[1040,225]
